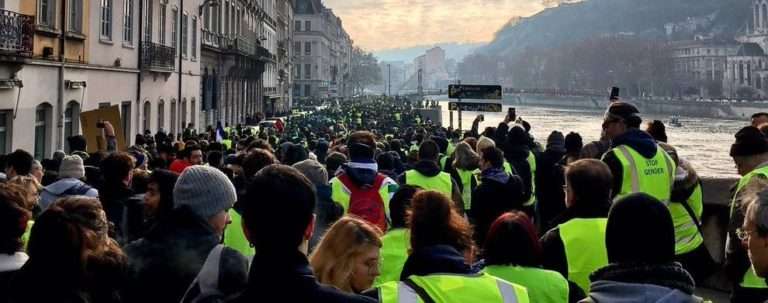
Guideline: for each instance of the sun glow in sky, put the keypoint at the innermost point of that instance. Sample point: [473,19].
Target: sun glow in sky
[384,24]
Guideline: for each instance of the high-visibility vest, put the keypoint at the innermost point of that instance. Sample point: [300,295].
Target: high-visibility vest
[443,159]
[234,237]
[451,148]
[654,176]
[508,168]
[584,243]
[27,233]
[227,143]
[532,164]
[342,194]
[687,235]
[546,286]
[467,177]
[392,255]
[441,183]
[750,280]
[447,288]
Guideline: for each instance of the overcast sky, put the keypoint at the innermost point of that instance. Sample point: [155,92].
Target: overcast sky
[384,24]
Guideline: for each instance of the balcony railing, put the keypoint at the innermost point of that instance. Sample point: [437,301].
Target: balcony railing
[157,56]
[16,33]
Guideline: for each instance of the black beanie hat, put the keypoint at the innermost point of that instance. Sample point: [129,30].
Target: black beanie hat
[640,230]
[626,111]
[749,141]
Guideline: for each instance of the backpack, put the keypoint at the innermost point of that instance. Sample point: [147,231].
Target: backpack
[366,202]
[205,287]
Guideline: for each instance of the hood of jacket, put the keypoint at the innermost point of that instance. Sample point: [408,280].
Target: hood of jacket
[638,140]
[436,259]
[60,186]
[427,168]
[183,226]
[495,174]
[362,174]
[642,283]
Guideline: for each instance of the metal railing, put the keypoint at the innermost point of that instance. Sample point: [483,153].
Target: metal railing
[157,56]
[16,33]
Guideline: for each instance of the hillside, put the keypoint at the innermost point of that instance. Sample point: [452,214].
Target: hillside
[570,22]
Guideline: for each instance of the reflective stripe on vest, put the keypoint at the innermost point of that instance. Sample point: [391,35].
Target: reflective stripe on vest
[234,237]
[466,177]
[687,235]
[440,183]
[532,164]
[653,176]
[584,243]
[393,254]
[543,285]
[444,288]
[750,280]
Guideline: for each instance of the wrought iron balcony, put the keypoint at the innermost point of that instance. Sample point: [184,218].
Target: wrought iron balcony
[211,39]
[157,57]
[16,33]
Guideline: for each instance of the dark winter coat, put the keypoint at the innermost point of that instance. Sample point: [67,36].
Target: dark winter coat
[642,283]
[327,212]
[550,178]
[497,193]
[288,278]
[164,263]
[125,210]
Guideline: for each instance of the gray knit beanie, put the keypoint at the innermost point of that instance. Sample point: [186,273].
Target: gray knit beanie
[313,170]
[71,167]
[205,190]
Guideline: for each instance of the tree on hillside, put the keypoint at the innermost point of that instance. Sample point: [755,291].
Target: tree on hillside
[365,70]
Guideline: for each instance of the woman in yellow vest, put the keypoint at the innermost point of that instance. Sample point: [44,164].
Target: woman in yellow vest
[439,267]
[465,167]
[512,252]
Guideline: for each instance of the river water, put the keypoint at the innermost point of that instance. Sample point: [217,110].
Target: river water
[702,141]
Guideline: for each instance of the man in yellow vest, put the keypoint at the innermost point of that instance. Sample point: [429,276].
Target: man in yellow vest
[396,242]
[428,175]
[576,246]
[750,153]
[754,233]
[637,163]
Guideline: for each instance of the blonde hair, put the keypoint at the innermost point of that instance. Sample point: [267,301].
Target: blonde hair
[465,157]
[483,143]
[333,260]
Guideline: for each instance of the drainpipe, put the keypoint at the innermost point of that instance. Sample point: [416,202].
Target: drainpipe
[180,37]
[60,97]
[139,108]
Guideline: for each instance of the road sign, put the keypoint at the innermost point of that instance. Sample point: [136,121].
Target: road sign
[461,91]
[475,107]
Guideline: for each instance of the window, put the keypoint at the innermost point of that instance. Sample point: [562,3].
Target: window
[148,19]
[184,34]
[307,90]
[174,28]
[297,47]
[47,13]
[128,21]
[194,37]
[307,48]
[75,16]
[173,117]
[43,115]
[298,70]
[147,115]
[297,25]
[307,71]
[183,113]
[193,111]
[225,30]
[71,122]
[125,118]
[308,25]
[6,117]
[161,30]
[106,20]
[160,115]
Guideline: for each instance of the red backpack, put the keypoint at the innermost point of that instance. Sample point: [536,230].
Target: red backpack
[365,202]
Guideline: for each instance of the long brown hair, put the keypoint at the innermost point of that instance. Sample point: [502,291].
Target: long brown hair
[333,261]
[434,220]
[465,157]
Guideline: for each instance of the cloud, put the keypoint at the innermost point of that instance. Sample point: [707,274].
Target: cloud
[386,24]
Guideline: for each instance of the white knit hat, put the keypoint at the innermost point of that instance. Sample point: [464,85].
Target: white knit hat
[71,167]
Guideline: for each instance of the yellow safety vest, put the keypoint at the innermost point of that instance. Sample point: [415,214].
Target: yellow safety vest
[27,233]
[545,286]
[227,143]
[234,237]
[687,235]
[585,252]
[393,254]
[441,183]
[342,195]
[446,288]
[654,176]
[532,164]
[750,280]
[466,176]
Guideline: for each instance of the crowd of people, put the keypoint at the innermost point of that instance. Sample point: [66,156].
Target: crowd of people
[363,200]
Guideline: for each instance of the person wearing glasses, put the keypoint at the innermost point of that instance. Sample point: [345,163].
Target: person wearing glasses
[750,154]
[754,233]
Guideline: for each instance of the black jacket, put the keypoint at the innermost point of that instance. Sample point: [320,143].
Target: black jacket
[497,193]
[125,210]
[550,179]
[553,251]
[517,156]
[431,169]
[638,140]
[327,211]
[288,278]
[163,264]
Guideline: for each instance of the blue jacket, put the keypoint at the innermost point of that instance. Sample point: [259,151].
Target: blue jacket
[63,188]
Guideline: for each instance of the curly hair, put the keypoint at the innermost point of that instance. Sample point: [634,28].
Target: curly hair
[434,221]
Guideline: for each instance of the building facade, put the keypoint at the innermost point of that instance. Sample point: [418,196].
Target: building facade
[700,65]
[323,52]
[285,55]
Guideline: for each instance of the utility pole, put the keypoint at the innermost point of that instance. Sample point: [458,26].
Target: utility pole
[389,79]
[420,87]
